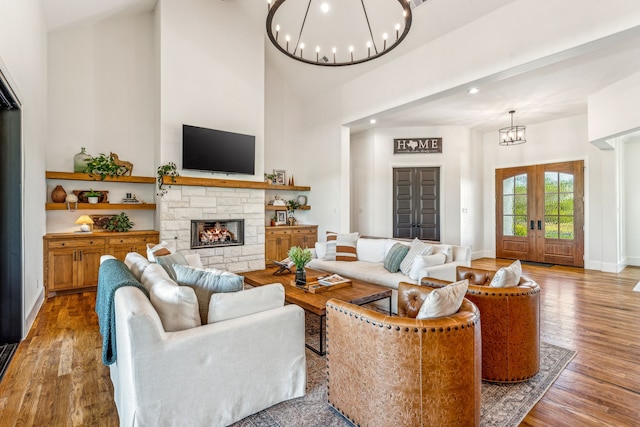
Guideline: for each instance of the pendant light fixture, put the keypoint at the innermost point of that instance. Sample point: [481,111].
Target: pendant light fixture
[512,135]
[337,32]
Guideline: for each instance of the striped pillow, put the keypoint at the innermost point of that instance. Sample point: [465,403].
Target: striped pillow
[341,247]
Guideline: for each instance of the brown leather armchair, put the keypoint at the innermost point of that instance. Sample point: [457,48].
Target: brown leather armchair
[510,324]
[399,371]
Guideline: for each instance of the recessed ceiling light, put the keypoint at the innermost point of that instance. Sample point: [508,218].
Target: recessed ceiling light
[372,121]
[473,90]
[324,7]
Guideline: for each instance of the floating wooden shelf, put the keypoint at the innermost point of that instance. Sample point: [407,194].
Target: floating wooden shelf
[229,183]
[89,177]
[284,208]
[101,206]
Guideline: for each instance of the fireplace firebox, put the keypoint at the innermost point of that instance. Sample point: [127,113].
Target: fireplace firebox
[215,233]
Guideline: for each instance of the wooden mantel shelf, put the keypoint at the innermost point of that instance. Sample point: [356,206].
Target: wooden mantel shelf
[89,177]
[102,206]
[229,183]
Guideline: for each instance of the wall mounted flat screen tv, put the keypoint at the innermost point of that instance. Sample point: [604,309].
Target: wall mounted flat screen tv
[218,151]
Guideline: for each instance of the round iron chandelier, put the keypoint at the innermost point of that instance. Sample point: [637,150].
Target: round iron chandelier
[337,32]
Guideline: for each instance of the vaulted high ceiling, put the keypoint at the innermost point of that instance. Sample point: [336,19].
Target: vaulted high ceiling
[539,92]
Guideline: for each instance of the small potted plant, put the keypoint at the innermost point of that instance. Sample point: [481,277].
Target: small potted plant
[274,218]
[93,196]
[269,178]
[300,257]
[119,223]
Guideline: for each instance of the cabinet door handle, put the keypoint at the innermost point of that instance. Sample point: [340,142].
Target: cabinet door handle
[532,226]
[75,255]
[80,255]
[539,225]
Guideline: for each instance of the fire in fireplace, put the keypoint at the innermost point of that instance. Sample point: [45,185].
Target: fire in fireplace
[216,233]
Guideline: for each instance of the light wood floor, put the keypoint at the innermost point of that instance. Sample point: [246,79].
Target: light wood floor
[56,377]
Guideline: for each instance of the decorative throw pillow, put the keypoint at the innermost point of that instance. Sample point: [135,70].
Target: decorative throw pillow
[507,277]
[136,264]
[415,248]
[167,262]
[424,261]
[321,249]
[443,302]
[236,304]
[371,250]
[207,282]
[444,249]
[395,256]
[152,247]
[341,247]
[177,306]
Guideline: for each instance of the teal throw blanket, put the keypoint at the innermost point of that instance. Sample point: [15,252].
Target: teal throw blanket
[112,275]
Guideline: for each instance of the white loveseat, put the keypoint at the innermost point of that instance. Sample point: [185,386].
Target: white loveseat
[209,375]
[371,253]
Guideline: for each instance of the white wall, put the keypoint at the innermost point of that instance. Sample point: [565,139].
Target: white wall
[632,202]
[23,59]
[613,110]
[373,162]
[102,97]
[211,75]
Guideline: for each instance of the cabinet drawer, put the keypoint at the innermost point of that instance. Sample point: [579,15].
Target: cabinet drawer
[75,243]
[304,231]
[278,233]
[130,240]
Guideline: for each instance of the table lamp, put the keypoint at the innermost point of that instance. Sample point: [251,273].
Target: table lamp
[85,222]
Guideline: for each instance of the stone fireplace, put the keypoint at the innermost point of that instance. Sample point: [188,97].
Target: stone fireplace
[214,233]
[183,203]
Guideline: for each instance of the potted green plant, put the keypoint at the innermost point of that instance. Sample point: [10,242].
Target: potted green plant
[269,178]
[274,218]
[300,257]
[93,196]
[168,169]
[119,223]
[103,166]
[292,205]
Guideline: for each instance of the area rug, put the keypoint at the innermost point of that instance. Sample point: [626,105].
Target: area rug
[503,405]
[6,353]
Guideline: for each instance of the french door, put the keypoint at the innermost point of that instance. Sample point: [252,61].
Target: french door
[540,213]
[416,203]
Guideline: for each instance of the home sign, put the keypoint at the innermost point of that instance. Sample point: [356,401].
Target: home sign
[417,145]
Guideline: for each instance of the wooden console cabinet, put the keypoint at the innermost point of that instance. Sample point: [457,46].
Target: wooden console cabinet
[71,260]
[279,239]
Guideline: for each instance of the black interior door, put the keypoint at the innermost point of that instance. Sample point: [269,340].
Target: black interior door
[416,203]
[10,218]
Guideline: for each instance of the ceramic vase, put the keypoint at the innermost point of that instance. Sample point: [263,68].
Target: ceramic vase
[58,195]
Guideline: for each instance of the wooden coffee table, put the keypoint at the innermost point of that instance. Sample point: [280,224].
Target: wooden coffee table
[359,293]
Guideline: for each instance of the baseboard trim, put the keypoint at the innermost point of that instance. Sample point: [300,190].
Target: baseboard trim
[31,317]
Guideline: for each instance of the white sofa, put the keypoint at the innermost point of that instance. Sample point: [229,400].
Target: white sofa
[371,252]
[210,375]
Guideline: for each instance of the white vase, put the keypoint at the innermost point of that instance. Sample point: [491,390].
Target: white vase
[92,199]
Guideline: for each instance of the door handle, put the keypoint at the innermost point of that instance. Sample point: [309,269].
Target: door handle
[80,255]
[418,225]
[75,255]
[539,225]
[532,222]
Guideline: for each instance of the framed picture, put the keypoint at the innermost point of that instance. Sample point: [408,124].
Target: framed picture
[280,177]
[99,221]
[281,217]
